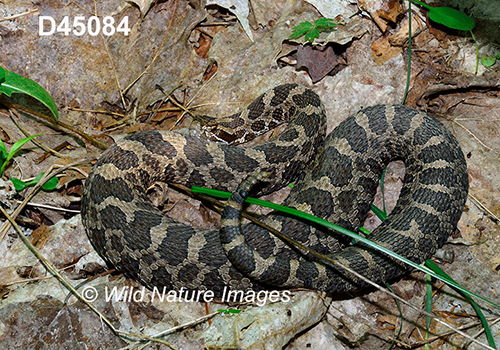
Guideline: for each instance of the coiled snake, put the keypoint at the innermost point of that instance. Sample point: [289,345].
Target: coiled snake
[132,235]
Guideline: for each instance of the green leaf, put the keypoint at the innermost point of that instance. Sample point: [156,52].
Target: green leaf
[377,211]
[18,184]
[451,18]
[229,311]
[488,61]
[498,56]
[16,147]
[312,34]
[3,150]
[11,82]
[300,30]
[35,180]
[47,186]
[51,184]
[324,23]
[428,305]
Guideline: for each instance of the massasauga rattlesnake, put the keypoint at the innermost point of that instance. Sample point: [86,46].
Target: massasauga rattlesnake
[132,235]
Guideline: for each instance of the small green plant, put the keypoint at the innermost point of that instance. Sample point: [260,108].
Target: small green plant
[229,311]
[5,158]
[12,83]
[455,19]
[311,30]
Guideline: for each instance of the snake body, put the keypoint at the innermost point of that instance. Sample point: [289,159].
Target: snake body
[339,184]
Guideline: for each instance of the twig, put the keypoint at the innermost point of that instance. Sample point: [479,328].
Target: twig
[477,139]
[492,216]
[96,142]
[122,93]
[58,148]
[28,280]
[18,15]
[97,111]
[39,205]
[157,54]
[438,336]
[63,281]
[192,99]
[36,142]
[178,328]
[48,174]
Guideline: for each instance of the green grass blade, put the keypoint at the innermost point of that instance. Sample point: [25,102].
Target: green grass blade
[400,315]
[476,307]
[428,306]
[428,300]
[14,149]
[329,225]
[3,153]
[14,83]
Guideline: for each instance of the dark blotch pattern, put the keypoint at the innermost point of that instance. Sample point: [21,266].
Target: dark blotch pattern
[196,151]
[256,108]
[154,143]
[102,189]
[236,160]
[139,235]
[122,159]
[281,93]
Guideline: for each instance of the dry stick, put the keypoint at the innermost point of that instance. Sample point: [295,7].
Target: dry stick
[60,278]
[474,136]
[96,142]
[114,70]
[165,97]
[173,101]
[157,54]
[33,279]
[48,174]
[192,99]
[388,337]
[465,326]
[492,216]
[38,143]
[483,330]
[285,238]
[178,328]
[39,205]
[18,15]
[60,147]
[97,111]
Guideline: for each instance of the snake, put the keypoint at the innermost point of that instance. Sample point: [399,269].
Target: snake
[335,177]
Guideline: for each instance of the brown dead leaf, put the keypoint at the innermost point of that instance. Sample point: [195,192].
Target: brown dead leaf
[382,11]
[382,50]
[204,44]
[390,10]
[40,235]
[318,60]
[401,36]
